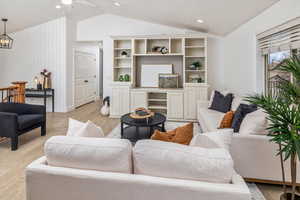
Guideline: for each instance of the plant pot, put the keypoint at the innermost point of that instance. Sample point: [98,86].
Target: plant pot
[288,196]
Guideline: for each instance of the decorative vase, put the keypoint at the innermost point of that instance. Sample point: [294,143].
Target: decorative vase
[47,82]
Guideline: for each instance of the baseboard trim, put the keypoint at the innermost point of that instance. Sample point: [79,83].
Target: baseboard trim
[267,181]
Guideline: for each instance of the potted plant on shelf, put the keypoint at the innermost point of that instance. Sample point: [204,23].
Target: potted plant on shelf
[284,120]
[195,65]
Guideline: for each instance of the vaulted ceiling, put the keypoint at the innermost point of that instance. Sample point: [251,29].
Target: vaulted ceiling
[219,16]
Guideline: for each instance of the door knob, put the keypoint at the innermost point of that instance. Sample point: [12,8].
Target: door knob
[86,81]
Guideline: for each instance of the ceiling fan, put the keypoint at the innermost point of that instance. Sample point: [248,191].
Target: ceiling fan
[72,2]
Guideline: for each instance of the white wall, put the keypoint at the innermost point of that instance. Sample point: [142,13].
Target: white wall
[71,28]
[37,48]
[103,26]
[2,64]
[243,67]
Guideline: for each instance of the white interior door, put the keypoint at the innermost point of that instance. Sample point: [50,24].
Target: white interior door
[85,77]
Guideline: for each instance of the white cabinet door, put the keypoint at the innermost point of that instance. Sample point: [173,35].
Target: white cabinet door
[119,101]
[191,96]
[175,105]
[115,102]
[138,99]
[124,100]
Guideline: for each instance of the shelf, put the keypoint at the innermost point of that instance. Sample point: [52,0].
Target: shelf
[122,58]
[195,56]
[191,70]
[122,44]
[194,47]
[120,49]
[158,107]
[158,100]
[125,67]
[151,54]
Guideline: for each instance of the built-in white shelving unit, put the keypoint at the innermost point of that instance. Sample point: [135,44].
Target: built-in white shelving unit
[195,52]
[122,64]
[187,54]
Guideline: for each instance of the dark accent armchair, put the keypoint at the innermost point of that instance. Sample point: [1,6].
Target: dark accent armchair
[17,119]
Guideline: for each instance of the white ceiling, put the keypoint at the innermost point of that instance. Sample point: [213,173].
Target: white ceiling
[220,16]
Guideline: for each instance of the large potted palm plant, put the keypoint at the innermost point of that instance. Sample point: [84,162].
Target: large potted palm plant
[284,120]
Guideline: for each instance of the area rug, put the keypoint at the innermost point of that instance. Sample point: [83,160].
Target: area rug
[255,192]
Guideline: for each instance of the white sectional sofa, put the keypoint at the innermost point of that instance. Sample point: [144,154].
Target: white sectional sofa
[254,155]
[50,178]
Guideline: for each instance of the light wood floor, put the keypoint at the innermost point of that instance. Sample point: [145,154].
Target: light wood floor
[12,164]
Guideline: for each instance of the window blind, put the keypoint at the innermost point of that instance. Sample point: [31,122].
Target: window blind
[280,38]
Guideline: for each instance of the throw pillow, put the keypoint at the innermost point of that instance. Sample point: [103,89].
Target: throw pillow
[211,140]
[221,102]
[181,135]
[227,120]
[74,126]
[224,92]
[80,129]
[240,114]
[90,130]
[255,123]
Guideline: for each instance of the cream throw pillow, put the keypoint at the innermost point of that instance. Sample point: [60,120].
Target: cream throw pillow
[74,126]
[80,129]
[255,123]
[211,140]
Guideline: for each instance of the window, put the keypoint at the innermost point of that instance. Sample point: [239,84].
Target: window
[273,76]
[275,45]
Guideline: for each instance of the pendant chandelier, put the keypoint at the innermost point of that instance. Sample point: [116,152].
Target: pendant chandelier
[6,42]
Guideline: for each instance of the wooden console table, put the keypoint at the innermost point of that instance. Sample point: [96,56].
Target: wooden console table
[44,93]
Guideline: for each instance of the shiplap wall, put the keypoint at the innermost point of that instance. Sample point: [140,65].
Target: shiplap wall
[36,48]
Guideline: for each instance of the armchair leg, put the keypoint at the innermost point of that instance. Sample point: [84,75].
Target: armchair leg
[43,129]
[14,143]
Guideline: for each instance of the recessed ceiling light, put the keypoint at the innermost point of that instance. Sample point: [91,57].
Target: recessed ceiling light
[58,6]
[67,2]
[117,4]
[200,21]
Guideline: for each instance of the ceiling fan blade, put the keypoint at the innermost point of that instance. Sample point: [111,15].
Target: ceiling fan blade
[87,3]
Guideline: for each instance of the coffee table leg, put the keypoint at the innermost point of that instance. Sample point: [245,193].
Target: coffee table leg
[151,131]
[137,133]
[163,127]
[122,130]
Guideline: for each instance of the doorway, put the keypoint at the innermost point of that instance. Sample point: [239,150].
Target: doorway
[88,72]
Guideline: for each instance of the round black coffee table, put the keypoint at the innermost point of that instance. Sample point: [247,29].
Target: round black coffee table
[136,130]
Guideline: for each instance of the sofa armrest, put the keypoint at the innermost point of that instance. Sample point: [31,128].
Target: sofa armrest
[253,152]
[8,124]
[21,109]
[36,109]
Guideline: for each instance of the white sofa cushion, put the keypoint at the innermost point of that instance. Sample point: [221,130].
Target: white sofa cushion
[80,129]
[170,160]
[218,139]
[102,154]
[255,123]
[209,119]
